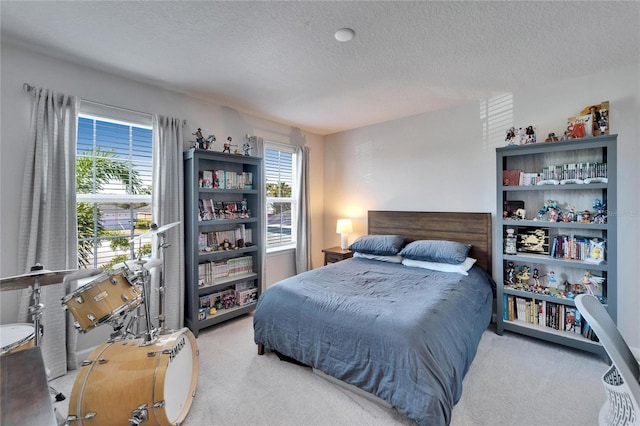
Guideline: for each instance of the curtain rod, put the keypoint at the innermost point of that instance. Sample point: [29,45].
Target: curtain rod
[28,87]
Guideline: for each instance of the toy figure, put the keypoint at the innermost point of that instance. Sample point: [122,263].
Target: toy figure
[510,274]
[523,276]
[531,135]
[536,277]
[552,138]
[227,146]
[199,138]
[600,216]
[511,136]
[552,279]
[246,148]
[243,209]
[209,142]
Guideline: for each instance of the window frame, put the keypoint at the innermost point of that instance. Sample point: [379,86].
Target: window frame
[132,119]
[275,146]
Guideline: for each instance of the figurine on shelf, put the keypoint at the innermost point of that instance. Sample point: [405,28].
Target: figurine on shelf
[551,138]
[530,135]
[227,146]
[536,277]
[510,139]
[601,215]
[209,142]
[552,279]
[591,283]
[510,274]
[246,147]
[199,138]
[243,209]
[523,276]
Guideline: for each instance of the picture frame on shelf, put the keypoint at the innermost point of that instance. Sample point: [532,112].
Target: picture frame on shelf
[600,117]
[532,240]
[580,126]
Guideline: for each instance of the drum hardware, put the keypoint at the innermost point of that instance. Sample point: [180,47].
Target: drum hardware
[162,246]
[87,416]
[139,415]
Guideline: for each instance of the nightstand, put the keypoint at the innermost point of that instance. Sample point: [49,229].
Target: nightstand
[336,254]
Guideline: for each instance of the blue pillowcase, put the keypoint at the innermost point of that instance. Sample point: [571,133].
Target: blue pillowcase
[436,251]
[380,245]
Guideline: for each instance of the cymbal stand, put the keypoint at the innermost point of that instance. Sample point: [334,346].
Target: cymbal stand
[146,299]
[36,309]
[162,246]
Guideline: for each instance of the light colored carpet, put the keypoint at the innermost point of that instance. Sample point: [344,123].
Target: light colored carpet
[513,380]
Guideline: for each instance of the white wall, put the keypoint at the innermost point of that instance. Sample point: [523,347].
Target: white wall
[21,66]
[445,161]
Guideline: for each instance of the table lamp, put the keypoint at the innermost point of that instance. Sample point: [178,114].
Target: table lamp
[344,227]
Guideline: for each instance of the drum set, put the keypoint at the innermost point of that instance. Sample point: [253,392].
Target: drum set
[143,373]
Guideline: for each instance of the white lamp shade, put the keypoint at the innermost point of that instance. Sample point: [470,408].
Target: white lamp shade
[344,226]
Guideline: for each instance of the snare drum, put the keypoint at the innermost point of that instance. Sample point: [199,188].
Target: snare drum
[128,379]
[99,301]
[16,337]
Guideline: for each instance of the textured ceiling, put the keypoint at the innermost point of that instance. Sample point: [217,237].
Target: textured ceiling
[279,60]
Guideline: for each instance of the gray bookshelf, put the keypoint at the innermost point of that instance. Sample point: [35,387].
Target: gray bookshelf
[198,285]
[532,158]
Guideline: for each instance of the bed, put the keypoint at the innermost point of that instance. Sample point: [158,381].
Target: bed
[405,334]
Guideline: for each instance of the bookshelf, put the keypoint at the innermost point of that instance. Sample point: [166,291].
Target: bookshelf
[566,179]
[224,210]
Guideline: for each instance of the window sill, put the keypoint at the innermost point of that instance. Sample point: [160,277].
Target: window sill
[281,249]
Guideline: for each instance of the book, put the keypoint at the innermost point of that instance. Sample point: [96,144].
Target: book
[511,177]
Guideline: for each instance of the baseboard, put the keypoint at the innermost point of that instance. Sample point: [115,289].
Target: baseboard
[353,389]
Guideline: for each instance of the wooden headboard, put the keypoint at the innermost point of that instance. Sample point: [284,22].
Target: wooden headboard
[469,228]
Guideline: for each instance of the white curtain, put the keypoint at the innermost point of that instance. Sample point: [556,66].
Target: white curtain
[303,241]
[48,232]
[167,208]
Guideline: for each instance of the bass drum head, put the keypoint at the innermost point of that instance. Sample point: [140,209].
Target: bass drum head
[16,337]
[179,386]
[128,379]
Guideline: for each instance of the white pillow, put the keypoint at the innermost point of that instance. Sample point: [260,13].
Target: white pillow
[393,259]
[460,268]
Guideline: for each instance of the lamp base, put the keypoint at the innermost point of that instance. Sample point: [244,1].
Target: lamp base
[344,241]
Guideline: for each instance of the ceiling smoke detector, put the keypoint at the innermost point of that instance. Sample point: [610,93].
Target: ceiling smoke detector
[345,34]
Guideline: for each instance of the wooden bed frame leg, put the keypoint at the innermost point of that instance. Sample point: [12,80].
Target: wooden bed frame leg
[260,349]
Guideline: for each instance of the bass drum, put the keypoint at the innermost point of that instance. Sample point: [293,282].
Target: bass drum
[128,379]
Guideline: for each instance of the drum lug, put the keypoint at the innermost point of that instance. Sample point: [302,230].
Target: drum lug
[87,416]
[79,300]
[159,404]
[124,297]
[91,317]
[90,361]
[139,415]
[113,280]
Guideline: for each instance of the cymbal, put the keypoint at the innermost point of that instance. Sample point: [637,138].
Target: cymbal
[154,231]
[42,277]
[134,265]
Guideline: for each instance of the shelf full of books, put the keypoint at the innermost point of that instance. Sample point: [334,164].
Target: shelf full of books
[556,206]
[224,210]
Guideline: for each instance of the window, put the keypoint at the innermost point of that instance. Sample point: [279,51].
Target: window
[113,185]
[281,186]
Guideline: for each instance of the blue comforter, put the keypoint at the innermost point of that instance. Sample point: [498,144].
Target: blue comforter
[407,335]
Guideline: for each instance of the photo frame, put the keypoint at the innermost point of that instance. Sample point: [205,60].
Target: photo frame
[600,118]
[532,240]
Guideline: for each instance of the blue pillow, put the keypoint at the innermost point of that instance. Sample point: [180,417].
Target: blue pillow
[436,251]
[380,245]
